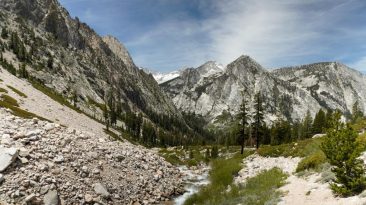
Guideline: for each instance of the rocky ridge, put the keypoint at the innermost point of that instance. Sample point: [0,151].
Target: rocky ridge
[47,163]
[288,93]
[218,96]
[72,59]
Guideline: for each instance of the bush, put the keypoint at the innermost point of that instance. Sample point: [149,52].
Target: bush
[311,162]
[21,94]
[10,100]
[343,150]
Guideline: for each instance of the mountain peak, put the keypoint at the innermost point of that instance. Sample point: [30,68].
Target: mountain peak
[119,49]
[210,68]
[245,63]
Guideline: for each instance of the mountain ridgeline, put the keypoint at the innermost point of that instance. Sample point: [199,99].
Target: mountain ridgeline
[40,41]
[288,93]
[95,75]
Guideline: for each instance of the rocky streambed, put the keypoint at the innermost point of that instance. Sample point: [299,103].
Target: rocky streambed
[193,180]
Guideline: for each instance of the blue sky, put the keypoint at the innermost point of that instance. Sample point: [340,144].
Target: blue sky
[166,35]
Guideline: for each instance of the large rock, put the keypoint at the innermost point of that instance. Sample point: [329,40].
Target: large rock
[7,156]
[101,190]
[51,198]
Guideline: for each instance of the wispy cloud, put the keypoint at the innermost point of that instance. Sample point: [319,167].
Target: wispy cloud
[166,35]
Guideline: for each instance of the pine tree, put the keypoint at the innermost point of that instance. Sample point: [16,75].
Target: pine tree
[106,116]
[356,112]
[4,33]
[328,118]
[258,118]
[243,123]
[343,150]
[319,122]
[306,128]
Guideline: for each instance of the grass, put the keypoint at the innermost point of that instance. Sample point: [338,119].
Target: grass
[18,111]
[359,124]
[313,161]
[9,100]
[21,94]
[258,190]
[301,148]
[98,105]
[113,135]
[2,90]
[221,176]
[53,95]
[177,156]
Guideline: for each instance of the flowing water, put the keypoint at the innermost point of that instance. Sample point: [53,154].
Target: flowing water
[194,180]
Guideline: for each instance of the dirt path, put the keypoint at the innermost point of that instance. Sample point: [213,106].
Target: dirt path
[307,191]
[298,190]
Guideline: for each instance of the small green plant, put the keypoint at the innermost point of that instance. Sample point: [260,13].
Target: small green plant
[214,152]
[312,161]
[10,100]
[2,90]
[21,94]
[191,154]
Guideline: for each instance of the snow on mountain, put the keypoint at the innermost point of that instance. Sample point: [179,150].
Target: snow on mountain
[163,77]
[205,70]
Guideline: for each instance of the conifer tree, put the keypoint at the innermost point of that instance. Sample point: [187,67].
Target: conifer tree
[258,118]
[342,151]
[356,112]
[4,33]
[319,122]
[306,128]
[243,123]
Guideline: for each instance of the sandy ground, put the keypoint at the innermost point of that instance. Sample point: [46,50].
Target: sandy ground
[307,191]
[42,105]
[298,190]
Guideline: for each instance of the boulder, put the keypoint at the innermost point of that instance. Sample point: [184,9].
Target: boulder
[7,156]
[101,190]
[51,198]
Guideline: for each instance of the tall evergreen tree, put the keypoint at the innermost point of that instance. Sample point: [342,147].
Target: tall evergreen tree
[356,111]
[258,118]
[4,33]
[343,150]
[319,122]
[243,122]
[306,128]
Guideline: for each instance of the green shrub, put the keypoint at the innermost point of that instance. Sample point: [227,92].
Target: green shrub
[2,90]
[343,150]
[300,148]
[9,100]
[21,94]
[312,161]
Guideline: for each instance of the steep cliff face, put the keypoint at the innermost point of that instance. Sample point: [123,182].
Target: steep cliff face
[332,84]
[70,57]
[219,94]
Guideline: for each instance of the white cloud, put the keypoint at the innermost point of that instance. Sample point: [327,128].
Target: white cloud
[272,32]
